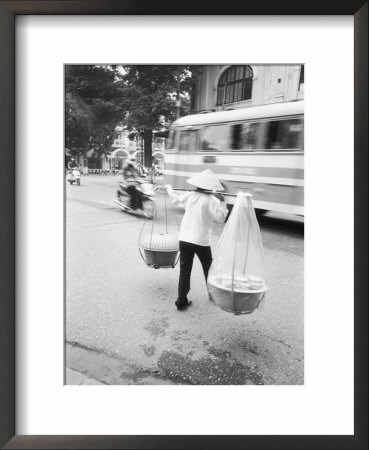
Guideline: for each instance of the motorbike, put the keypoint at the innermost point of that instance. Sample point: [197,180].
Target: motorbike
[123,199]
[74,176]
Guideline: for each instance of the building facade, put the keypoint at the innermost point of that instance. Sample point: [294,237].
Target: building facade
[222,87]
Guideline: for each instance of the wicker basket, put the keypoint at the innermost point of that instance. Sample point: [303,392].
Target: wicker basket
[238,300]
[160,251]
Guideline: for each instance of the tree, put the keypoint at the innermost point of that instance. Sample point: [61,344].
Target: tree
[92,107]
[151,91]
[99,97]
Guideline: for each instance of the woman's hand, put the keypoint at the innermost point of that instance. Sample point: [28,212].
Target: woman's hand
[219,197]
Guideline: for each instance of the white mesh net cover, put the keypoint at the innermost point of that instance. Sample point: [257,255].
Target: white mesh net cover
[237,281]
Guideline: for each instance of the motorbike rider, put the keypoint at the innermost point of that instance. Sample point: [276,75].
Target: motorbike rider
[130,176]
[72,164]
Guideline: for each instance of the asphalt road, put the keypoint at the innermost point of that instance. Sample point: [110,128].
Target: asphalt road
[121,323]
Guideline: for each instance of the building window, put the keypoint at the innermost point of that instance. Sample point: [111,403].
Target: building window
[235,85]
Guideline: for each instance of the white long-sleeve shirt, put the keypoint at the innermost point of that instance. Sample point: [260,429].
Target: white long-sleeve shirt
[201,211]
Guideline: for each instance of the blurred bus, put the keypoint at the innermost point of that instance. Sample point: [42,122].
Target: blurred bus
[259,150]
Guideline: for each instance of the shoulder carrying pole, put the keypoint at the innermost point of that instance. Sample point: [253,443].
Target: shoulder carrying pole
[228,194]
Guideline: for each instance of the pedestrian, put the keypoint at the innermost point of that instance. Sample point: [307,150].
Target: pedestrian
[202,207]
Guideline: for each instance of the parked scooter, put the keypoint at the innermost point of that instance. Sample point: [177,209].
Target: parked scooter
[74,176]
[123,199]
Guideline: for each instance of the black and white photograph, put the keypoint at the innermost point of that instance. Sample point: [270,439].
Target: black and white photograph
[184,224]
[177,271]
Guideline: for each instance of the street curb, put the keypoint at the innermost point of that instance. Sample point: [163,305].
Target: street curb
[91,366]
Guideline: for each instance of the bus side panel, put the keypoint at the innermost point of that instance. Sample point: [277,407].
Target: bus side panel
[271,197]
[276,181]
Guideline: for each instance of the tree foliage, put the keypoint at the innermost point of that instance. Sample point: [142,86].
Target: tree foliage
[97,98]
[151,91]
[92,107]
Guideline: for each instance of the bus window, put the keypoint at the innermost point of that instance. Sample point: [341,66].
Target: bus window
[244,136]
[171,140]
[236,133]
[284,135]
[215,138]
[187,140]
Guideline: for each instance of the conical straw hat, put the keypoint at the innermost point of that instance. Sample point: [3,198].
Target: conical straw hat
[206,180]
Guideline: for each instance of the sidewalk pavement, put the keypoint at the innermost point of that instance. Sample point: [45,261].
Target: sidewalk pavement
[78,378]
[89,367]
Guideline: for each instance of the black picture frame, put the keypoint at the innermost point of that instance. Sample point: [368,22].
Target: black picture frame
[8,10]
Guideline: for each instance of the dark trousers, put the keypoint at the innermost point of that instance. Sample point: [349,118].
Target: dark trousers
[187,253]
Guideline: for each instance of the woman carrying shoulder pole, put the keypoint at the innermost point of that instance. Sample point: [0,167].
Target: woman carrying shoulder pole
[202,209]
